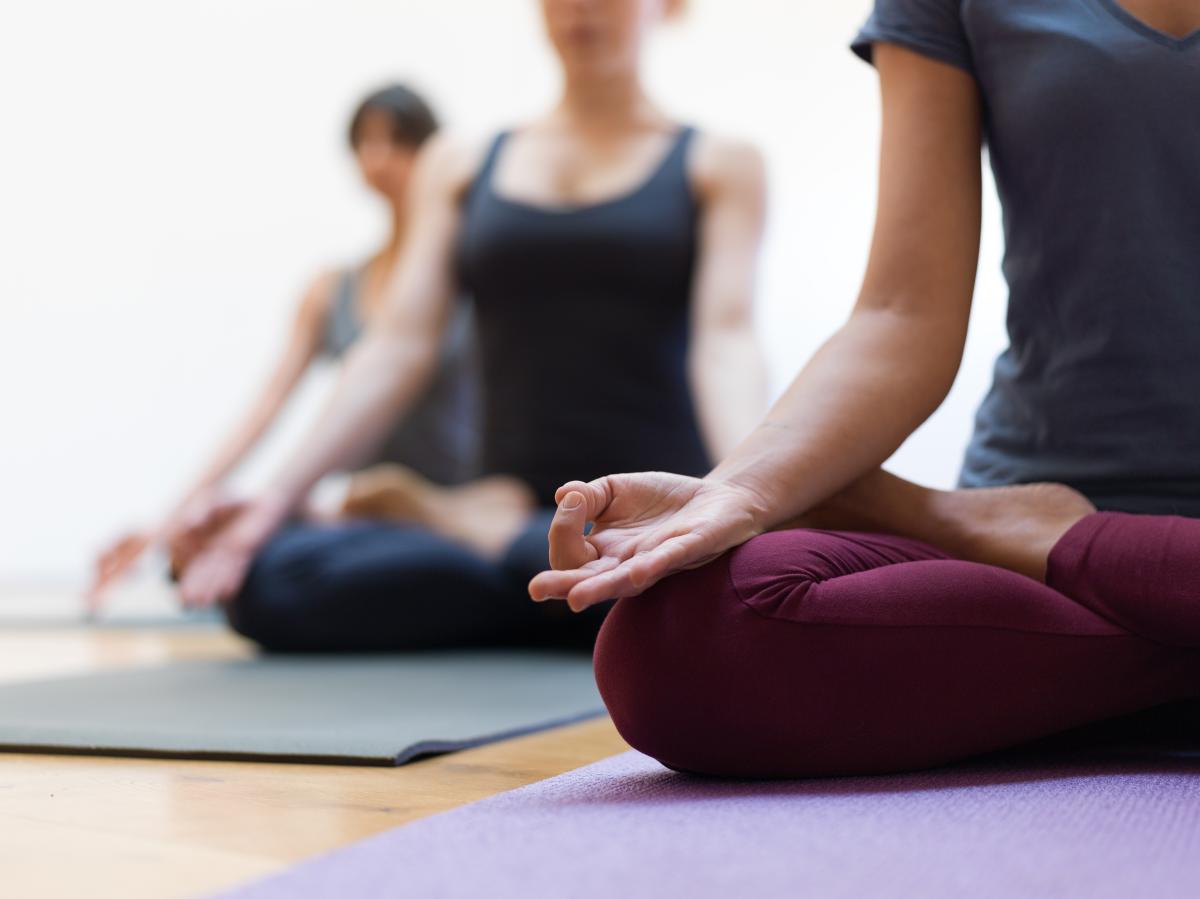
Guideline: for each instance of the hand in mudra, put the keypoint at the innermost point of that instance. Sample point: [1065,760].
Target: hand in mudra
[645,527]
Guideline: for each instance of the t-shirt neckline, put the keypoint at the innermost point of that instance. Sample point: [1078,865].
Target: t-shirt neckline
[1134,23]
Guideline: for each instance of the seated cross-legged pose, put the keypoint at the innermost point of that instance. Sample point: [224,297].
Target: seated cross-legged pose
[603,230]
[436,437]
[799,612]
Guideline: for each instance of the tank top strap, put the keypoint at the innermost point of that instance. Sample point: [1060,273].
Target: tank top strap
[677,157]
[342,326]
[672,172]
[683,140]
[488,166]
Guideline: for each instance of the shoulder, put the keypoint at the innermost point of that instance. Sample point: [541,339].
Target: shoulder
[448,163]
[723,165]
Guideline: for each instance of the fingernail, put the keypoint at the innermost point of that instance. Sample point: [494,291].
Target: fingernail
[572,501]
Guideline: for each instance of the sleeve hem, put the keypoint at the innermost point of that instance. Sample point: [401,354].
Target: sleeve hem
[863,47]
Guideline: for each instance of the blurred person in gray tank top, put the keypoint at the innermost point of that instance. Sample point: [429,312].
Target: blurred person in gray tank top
[435,438]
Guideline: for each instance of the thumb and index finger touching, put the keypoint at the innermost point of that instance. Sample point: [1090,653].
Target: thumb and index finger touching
[578,503]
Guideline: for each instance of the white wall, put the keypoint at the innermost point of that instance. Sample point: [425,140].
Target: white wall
[172,174]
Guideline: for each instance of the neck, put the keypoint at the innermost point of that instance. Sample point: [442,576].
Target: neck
[612,99]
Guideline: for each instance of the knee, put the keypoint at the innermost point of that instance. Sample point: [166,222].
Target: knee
[244,615]
[249,615]
[664,662]
[272,598]
[710,672]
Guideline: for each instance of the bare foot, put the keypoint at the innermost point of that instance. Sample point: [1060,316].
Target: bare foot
[1010,527]
[390,493]
[486,515]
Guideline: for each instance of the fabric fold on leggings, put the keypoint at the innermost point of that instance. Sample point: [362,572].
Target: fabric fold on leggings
[1139,571]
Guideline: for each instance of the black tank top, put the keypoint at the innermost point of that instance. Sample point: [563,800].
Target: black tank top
[582,319]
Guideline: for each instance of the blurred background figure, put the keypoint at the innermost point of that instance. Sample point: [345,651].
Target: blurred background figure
[604,226]
[437,435]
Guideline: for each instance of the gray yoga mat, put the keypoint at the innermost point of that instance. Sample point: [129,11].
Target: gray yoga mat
[122,623]
[364,710]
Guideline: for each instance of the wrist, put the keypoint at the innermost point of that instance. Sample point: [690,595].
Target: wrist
[261,518]
[200,494]
[754,500]
[195,502]
[274,507]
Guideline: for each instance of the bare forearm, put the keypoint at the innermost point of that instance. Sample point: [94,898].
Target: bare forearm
[379,381]
[860,396]
[730,384]
[234,450]
[256,422]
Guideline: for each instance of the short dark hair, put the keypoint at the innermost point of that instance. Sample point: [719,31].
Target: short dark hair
[412,118]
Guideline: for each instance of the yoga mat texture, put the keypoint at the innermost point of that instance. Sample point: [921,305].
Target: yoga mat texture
[372,710]
[628,828]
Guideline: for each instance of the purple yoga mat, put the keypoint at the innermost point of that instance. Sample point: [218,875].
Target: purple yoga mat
[626,828]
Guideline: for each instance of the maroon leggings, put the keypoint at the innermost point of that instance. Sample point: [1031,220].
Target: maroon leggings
[805,653]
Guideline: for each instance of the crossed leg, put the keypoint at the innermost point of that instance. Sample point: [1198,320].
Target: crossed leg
[810,652]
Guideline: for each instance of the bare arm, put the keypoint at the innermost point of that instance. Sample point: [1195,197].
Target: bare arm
[725,364]
[891,365]
[388,368]
[383,374]
[301,349]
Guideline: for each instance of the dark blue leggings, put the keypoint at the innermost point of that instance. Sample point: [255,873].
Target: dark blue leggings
[368,586]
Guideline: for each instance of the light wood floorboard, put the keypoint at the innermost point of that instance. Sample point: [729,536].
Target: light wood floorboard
[112,827]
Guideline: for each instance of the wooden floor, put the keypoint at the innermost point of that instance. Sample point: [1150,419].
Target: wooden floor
[100,827]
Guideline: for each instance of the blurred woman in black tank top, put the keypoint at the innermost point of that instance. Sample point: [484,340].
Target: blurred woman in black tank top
[603,228]
[614,273]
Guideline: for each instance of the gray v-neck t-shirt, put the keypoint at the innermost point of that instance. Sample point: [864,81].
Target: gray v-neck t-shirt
[1092,124]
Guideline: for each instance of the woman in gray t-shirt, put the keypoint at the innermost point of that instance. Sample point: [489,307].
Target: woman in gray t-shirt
[920,626]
